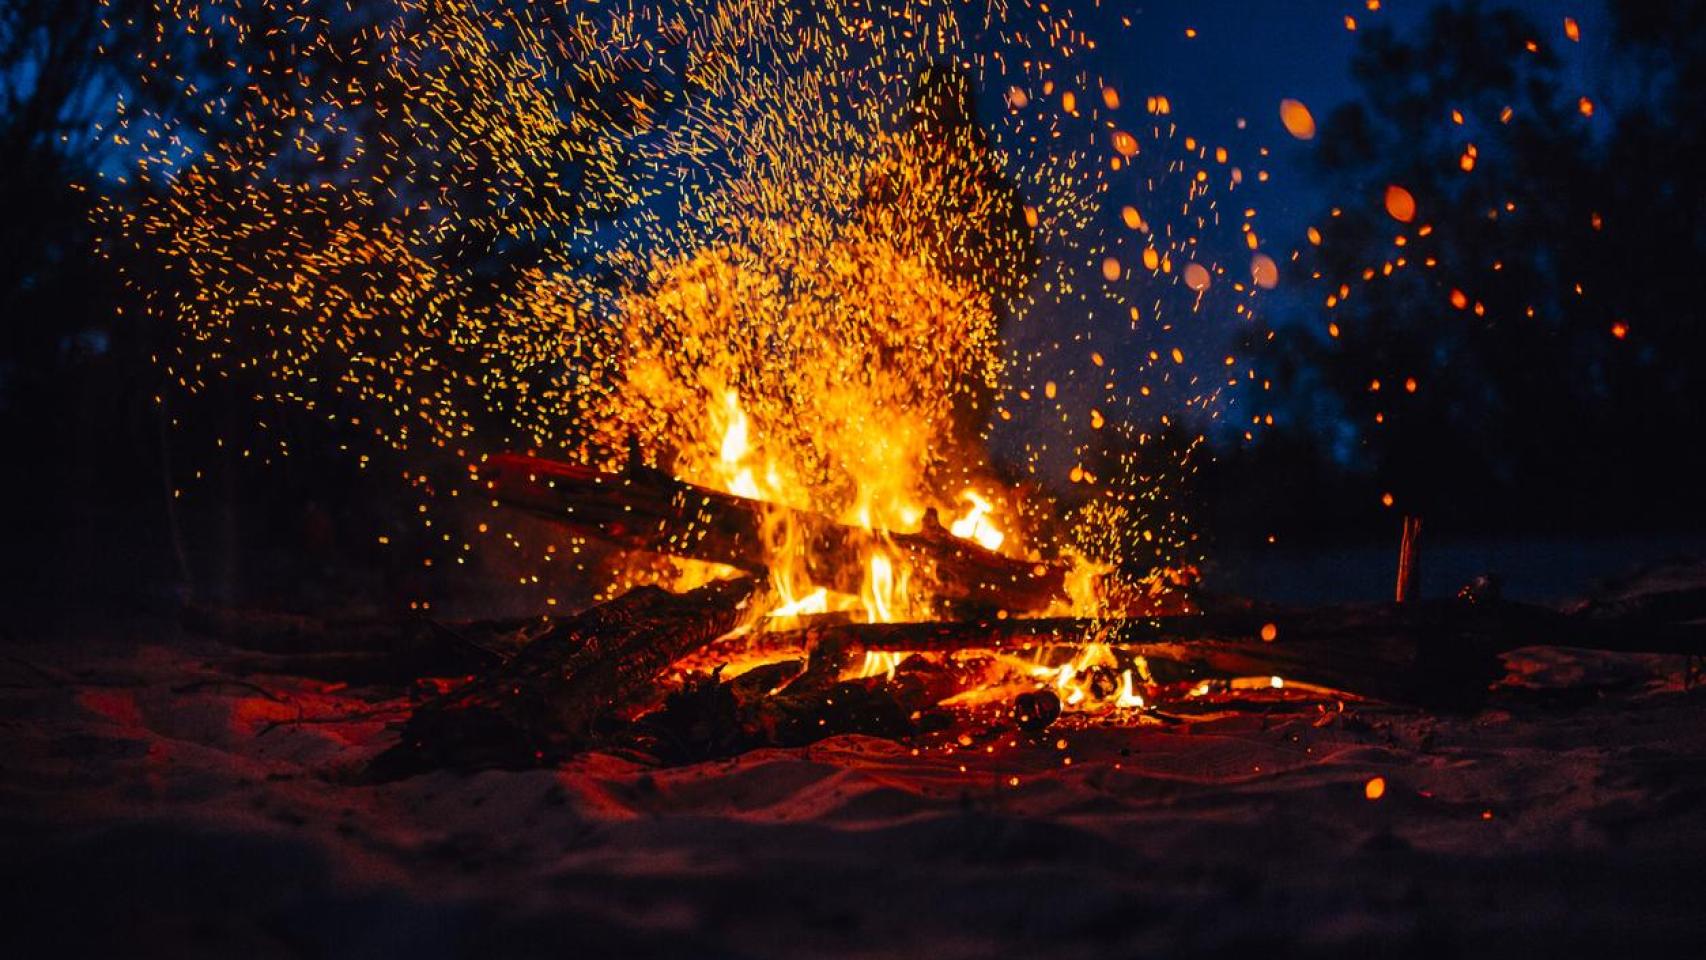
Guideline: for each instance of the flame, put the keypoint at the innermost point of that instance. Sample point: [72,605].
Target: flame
[1083,584]
[815,602]
[739,479]
[878,595]
[976,525]
[1127,699]
[878,663]
[741,471]
[888,496]
[881,504]
[1076,682]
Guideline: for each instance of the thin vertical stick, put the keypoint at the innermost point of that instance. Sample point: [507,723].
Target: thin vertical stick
[1408,576]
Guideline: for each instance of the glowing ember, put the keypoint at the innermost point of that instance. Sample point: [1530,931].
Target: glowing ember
[1400,204]
[1299,122]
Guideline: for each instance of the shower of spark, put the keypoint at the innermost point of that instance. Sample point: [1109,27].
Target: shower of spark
[812,253]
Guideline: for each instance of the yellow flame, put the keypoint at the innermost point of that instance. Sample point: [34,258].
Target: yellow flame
[816,601]
[883,591]
[976,525]
[1127,699]
[738,477]
[1085,597]
[883,475]
[1072,680]
[878,663]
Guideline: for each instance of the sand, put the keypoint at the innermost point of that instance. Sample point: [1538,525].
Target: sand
[151,804]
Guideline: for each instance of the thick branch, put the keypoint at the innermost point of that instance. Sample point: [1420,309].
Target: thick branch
[1436,654]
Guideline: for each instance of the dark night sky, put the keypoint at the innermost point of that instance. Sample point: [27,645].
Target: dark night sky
[1247,56]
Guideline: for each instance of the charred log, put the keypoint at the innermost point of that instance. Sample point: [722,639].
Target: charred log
[1437,654]
[791,704]
[546,701]
[363,650]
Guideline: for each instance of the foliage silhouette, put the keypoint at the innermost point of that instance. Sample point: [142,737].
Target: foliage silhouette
[1524,355]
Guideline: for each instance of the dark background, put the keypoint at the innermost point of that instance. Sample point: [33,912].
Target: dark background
[1566,441]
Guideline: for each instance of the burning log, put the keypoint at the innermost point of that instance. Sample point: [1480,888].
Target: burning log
[646,509]
[1368,653]
[1435,654]
[545,701]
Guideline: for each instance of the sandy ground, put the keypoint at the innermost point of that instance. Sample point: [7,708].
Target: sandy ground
[152,805]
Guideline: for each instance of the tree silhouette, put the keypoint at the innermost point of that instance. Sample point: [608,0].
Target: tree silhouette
[74,375]
[111,113]
[1501,334]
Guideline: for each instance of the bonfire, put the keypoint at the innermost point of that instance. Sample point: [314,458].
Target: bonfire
[790,410]
[758,411]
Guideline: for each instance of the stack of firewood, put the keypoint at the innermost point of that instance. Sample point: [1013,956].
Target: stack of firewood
[540,689]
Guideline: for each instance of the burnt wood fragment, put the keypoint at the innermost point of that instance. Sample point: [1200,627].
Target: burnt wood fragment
[710,717]
[546,701]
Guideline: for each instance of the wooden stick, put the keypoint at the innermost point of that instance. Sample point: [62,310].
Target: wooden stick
[645,509]
[1409,579]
